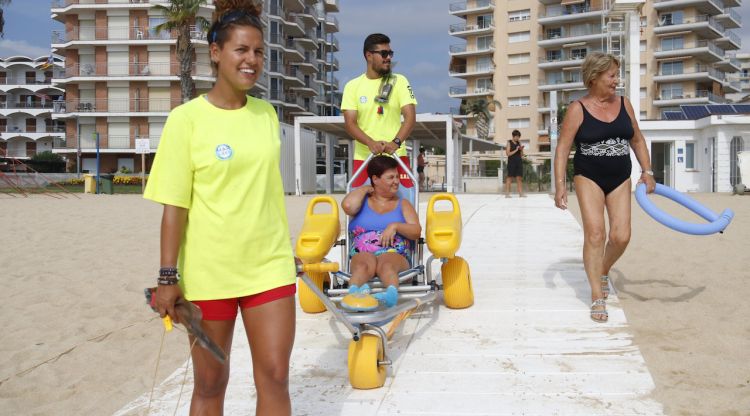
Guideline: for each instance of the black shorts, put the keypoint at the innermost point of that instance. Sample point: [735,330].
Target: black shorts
[514,169]
[420,169]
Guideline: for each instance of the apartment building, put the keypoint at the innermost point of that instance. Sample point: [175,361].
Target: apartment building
[743,77]
[121,77]
[687,55]
[27,100]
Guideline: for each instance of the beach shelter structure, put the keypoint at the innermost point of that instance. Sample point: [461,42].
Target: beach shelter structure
[430,130]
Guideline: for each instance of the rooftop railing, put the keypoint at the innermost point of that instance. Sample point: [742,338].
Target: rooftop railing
[466,5]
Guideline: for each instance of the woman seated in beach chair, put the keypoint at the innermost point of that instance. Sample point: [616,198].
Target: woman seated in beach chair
[382,231]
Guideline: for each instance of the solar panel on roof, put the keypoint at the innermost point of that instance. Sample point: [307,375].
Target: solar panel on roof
[742,108]
[694,112]
[674,115]
[720,109]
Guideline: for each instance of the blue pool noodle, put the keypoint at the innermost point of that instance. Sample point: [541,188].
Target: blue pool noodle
[716,223]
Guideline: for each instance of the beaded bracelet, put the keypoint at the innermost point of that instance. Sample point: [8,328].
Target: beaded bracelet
[168,271]
[167,281]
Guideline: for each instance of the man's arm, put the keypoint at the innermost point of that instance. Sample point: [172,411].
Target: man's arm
[350,124]
[409,112]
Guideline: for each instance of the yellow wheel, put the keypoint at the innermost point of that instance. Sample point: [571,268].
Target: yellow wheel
[308,300]
[364,370]
[457,290]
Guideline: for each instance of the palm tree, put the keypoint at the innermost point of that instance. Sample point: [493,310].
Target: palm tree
[2,19]
[181,15]
[481,108]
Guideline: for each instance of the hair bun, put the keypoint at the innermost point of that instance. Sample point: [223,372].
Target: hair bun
[252,7]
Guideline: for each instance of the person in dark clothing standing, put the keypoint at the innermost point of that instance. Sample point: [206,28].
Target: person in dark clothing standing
[514,151]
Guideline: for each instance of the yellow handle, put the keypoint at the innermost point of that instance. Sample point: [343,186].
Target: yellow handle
[318,200]
[442,197]
[318,267]
[167,323]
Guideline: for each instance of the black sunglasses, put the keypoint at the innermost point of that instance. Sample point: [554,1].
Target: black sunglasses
[383,53]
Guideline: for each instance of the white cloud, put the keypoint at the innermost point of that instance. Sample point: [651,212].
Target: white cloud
[10,47]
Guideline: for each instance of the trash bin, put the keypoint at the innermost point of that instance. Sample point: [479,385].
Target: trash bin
[89,183]
[107,183]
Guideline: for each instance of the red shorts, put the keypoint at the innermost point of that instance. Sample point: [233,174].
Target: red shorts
[362,178]
[226,309]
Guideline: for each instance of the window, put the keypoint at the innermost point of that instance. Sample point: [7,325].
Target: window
[484,84]
[643,69]
[484,21]
[643,93]
[519,58]
[672,43]
[519,15]
[554,33]
[484,63]
[553,56]
[519,37]
[484,43]
[518,80]
[518,123]
[671,18]
[578,53]
[644,115]
[671,91]
[643,46]
[671,68]
[735,146]
[518,101]
[689,155]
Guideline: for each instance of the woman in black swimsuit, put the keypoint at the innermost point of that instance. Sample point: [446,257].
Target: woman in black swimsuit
[604,128]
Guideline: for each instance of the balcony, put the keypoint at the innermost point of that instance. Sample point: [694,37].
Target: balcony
[570,13]
[133,69]
[83,106]
[35,104]
[562,37]
[562,82]
[729,64]
[294,5]
[463,8]
[115,142]
[98,35]
[564,60]
[463,30]
[331,6]
[730,18]
[308,41]
[705,51]
[291,23]
[308,16]
[673,98]
[467,50]
[730,40]
[697,73]
[703,25]
[703,6]
[472,70]
[463,92]
[332,24]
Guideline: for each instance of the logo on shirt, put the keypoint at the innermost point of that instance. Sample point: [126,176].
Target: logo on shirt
[362,99]
[224,152]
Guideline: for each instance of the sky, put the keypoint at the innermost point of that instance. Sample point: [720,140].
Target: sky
[418,30]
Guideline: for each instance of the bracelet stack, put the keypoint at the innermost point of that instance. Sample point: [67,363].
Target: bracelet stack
[168,276]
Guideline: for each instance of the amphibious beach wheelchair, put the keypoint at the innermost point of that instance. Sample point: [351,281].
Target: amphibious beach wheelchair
[324,285]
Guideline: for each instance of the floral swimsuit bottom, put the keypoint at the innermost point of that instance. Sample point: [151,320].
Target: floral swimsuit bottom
[363,241]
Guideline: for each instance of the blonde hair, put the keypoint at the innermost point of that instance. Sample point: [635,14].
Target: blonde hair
[595,64]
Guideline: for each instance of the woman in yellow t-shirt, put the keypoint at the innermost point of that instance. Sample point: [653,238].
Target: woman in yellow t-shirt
[224,225]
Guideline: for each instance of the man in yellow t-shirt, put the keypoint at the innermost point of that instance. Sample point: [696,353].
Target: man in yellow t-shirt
[373,104]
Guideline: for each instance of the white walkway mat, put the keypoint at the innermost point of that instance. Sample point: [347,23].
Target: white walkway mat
[527,346]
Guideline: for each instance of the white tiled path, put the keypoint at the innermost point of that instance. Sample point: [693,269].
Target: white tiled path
[527,346]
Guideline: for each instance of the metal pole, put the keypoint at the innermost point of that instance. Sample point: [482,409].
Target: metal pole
[553,137]
[78,153]
[98,162]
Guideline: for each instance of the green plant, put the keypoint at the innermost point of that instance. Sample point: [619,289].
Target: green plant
[480,108]
[181,15]
[47,162]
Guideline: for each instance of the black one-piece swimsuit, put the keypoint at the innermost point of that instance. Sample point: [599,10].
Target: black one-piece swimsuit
[603,149]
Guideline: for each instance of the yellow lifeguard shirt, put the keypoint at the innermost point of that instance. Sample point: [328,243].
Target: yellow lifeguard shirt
[360,94]
[223,166]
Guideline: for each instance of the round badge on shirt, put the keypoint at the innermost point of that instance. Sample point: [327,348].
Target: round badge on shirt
[224,152]
[363,99]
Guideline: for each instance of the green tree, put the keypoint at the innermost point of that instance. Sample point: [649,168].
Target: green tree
[480,108]
[181,16]
[2,18]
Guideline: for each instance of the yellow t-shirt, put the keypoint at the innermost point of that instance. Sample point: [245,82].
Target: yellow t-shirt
[223,166]
[360,94]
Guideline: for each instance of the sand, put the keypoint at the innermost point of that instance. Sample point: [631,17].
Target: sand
[79,339]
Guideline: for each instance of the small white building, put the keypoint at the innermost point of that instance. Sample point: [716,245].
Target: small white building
[27,100]
[698,154]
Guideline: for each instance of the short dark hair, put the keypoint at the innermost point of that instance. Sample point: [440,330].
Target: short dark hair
[372,40]
[421,149]
[516,133]
[380,164]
